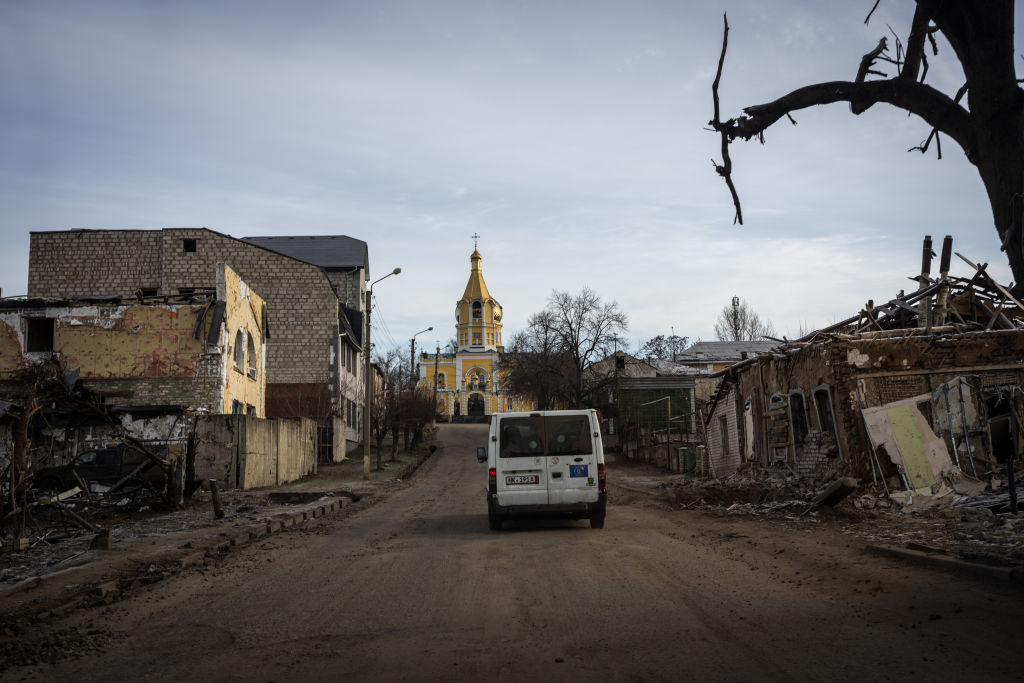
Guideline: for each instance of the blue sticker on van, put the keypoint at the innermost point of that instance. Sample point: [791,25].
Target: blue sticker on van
[578,470]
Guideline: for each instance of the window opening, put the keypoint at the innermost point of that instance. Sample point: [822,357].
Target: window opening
[240,351]
[38,335]
[250,348]
[798,416]
[188,245]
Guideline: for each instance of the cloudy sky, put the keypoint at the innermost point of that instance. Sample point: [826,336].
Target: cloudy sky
[570,135]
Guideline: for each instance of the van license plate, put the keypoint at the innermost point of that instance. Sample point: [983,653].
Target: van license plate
[522,479]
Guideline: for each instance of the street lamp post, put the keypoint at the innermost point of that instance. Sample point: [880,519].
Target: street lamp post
[412,357]
[368,379]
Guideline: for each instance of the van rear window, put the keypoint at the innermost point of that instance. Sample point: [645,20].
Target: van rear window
[521,436]
[568,435]
[551,435]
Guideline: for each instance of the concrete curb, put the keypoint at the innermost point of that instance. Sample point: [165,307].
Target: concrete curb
[101,580]
[949,563]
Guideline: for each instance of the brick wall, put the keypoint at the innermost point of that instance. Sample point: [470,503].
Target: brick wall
[724,450]
[302,306]
[86,262]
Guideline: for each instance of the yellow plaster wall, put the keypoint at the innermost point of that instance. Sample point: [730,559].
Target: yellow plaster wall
[244,310]
[11,359]
[141,341]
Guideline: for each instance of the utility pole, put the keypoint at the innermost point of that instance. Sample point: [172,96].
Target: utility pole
[412,357]
[437,356]
[368,376]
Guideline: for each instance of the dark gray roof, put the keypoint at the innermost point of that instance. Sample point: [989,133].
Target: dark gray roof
[326,251]
[706,352]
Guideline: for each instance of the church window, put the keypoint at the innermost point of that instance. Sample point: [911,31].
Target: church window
[477,310]
[440,381]
[476,338]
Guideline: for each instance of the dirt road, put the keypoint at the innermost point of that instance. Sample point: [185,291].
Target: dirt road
[417,588]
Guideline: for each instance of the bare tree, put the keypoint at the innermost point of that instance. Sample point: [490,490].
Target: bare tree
[579,330]
[739,322]
[537,366]
[989,130]
[383,417]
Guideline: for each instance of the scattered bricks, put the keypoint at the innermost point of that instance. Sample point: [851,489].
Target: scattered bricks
[16,545]
[102,541]
[273,525]
[193,559]
[257,531]
[286,521]
[237,536]
[109,591]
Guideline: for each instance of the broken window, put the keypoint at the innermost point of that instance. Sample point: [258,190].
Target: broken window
[188,245]
[723,430]
[148,291]
[798,416]
[823,407]
[251,357]
[240,351]
[237,408]
[38,335]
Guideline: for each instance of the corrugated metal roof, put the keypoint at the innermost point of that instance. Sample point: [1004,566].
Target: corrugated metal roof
[326,251]
[723,351]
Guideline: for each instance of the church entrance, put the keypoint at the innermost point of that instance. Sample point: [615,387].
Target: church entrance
[475,405]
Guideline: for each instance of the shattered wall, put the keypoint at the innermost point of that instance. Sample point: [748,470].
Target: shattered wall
[150,354]
[302,346]
[805,404]
[139,354]
[246,452]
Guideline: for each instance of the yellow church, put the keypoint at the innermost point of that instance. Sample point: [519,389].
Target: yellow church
[468,382]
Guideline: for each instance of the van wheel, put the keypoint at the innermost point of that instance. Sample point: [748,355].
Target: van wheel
[494,521]
[597,522]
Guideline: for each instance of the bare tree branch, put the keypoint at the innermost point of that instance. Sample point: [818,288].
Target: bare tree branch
[725,170]
[931,105]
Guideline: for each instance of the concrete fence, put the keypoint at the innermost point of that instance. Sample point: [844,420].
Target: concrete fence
[246,452]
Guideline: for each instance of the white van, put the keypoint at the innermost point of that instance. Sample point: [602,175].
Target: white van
[548,463]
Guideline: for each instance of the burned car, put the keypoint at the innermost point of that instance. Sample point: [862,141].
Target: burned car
[101,468]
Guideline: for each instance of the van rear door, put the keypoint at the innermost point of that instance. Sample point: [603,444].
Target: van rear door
[572,458]
[520,465]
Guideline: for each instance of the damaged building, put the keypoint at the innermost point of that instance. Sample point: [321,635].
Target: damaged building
[205,352]
[313,287]
[153,395]
[905,393]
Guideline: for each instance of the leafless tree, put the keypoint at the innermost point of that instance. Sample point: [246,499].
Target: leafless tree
[739,322]
[578,330]
[989,129]
[536,366]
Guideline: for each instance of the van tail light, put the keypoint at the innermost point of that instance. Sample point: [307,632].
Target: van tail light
[600,475]
[489,419]
[492,479]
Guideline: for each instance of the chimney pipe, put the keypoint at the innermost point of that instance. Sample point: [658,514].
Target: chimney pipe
[925,309]
[926,261]
[947,252]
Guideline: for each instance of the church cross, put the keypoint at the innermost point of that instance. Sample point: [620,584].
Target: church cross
[475,238]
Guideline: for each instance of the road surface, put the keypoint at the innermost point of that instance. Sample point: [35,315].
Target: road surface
[417,588]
